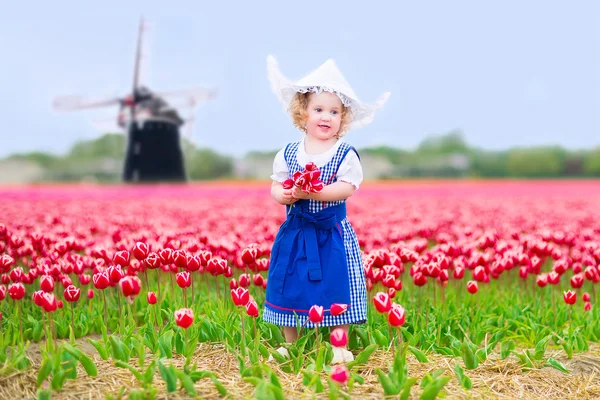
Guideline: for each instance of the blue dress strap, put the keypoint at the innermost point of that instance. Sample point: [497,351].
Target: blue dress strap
[290,150]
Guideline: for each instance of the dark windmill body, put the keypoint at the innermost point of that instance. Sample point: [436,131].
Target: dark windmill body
[153,152]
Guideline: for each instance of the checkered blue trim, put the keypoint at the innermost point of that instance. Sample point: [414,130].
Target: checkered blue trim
[357,312]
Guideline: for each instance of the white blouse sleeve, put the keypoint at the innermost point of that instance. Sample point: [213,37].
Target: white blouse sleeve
[280,167]
[350,170]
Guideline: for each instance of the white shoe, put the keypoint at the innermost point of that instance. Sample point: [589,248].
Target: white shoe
[341,355]
[283,351]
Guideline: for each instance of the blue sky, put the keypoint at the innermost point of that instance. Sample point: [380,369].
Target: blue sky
[512,73]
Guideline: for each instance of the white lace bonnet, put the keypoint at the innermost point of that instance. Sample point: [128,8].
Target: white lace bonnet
[325,78]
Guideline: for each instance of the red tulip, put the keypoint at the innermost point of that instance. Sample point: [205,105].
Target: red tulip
[553,278]
[130,286]
[101,280]
[37,298]
[258,280]
[151,297]
[252,309]
[84,279]
[180,259]
[60,304]
[16,275]
[577,281]
[338,309]
[121,258]
[244,280]
[240,296]
[587,306]
[183,279]
[586,296]
[479,274]
[396,315]
[542,280]
[49,303]
[288,184]
[339,337]
[166,256]
[152,261]
[193,263]
[382,302]
[570,297]
[249,255]
[72,293]
[115,273]
[184,317]
[472,287]
[523,272]
[315,314]
[391,292]
[389,281]
[16,291]
[46,283]
[2,292]
[6,262]
[419,279]
[233,284]
[90,294]
[141,251]
[591,274]
[339,373]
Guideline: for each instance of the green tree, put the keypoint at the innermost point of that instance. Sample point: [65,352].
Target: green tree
[591,163]
[205,164]
[537,162]
[452,142]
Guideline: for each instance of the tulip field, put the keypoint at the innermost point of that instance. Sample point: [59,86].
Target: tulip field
[483,289]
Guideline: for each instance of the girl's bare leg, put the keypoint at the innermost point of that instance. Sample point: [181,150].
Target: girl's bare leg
[290,333]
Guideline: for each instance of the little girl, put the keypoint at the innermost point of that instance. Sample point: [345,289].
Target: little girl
[316,259]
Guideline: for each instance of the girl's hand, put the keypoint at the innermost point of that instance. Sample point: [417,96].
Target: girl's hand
[298,194]
[287,197]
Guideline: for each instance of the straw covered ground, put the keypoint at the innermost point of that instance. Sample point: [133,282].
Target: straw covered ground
[494,378]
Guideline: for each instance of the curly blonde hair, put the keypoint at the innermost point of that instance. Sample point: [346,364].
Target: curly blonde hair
[297,110]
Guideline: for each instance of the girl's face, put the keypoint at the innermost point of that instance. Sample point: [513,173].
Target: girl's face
[324,115]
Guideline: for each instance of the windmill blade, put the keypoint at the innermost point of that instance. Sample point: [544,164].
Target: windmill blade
[72,103]
[198,94]
[136,66]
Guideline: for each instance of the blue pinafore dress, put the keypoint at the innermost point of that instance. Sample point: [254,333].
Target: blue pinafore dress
[316,258]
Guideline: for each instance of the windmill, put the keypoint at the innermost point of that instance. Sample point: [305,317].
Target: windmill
[153,151]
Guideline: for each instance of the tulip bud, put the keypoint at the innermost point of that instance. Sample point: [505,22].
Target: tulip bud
[184,317]
[183,279]
[472,287]
[396,315]
[252,309]
[71,293]
[141,251]
[570,297]
[586,296]
[339,337]
[382,302]
[315,314]
[339,373]
[151,297]
[338,309]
